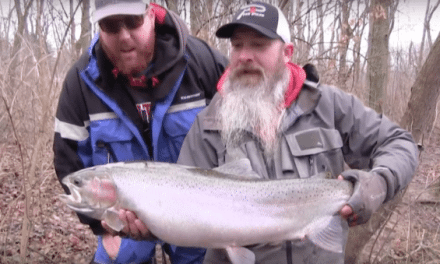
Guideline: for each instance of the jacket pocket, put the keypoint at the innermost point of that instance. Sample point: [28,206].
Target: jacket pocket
[112,141]
[315,151]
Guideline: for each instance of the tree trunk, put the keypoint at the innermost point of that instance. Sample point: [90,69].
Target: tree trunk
[344,41]
[320,14]
[426,36]
[421,112]
[86,27]
[201,12]
[72,30]
[358,32]
[18,37]
[300,36]
[377,70]
[172,5]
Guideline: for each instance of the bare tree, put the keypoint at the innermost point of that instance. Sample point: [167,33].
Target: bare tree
[86,27]
[22,16]
[172,5]
[359,30]
[72,27]
[344,41]
[421,112]
[381,19]
[427,30]
[320,18]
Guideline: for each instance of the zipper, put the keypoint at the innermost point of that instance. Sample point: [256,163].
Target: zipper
[111,157]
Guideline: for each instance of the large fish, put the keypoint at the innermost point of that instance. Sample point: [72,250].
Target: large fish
[227,207]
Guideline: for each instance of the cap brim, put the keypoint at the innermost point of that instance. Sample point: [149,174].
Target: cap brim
[226,31]
[120,9]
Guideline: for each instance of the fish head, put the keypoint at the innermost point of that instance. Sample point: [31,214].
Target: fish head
[92,192]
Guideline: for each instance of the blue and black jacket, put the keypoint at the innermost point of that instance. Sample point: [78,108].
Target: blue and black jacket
[97,121]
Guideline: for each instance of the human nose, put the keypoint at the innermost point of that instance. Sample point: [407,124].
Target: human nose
[245,54]
[123,33]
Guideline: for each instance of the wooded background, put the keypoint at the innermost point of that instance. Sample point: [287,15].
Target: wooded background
[348,41]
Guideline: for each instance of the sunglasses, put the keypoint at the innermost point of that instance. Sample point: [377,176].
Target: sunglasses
[114,24]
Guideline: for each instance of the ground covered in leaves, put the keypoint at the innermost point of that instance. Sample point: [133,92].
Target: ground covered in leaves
[56,236]
[410,236]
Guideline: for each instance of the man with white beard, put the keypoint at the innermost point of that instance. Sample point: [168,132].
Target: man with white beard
[253,98]
[277,114]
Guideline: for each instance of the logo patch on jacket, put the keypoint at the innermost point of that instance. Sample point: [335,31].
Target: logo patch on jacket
[309,140]
[144,110]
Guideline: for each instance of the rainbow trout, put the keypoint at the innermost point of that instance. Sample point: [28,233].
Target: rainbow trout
[227,207]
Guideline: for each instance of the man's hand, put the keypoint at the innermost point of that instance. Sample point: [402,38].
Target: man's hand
[111,244]
[347,212]
[134,227]
[369,192]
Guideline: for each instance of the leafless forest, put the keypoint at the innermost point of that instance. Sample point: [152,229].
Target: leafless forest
[348,40]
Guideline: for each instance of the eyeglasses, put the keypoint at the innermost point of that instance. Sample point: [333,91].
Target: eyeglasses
[113,24]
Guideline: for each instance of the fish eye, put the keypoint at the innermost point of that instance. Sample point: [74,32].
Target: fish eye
[77,182]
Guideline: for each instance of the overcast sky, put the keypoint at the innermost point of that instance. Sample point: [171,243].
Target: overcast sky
[409,22]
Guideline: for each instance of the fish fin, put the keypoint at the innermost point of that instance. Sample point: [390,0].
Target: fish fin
[241,168]
[331,237]
[111,217]
[240,255]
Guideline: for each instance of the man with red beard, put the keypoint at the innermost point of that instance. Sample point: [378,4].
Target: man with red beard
[133,96]
[278,115]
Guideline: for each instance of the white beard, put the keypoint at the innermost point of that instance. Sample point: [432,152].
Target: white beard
[253,105]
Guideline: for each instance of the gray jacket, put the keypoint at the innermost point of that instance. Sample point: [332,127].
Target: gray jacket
[321,130]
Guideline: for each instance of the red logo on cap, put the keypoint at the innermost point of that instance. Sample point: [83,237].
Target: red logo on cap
[252,10]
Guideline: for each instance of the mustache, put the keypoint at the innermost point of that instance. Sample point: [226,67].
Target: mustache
[247,70]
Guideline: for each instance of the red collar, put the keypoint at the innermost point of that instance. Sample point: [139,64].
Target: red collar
[297,77]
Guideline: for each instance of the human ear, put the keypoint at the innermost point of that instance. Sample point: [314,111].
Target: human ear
[288,52]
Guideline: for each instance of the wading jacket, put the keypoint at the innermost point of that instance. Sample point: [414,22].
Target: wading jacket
[323,128]
[98,122]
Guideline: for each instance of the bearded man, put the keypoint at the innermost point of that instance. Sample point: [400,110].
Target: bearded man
[277,114]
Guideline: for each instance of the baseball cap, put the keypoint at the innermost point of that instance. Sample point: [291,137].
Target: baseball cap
[105,8]
[262,17]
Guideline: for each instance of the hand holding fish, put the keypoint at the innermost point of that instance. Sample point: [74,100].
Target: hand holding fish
[134,227]
[346,212]
[103,190]
[369,193]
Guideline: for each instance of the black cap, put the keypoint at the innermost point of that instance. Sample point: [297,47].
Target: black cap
[262,17]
